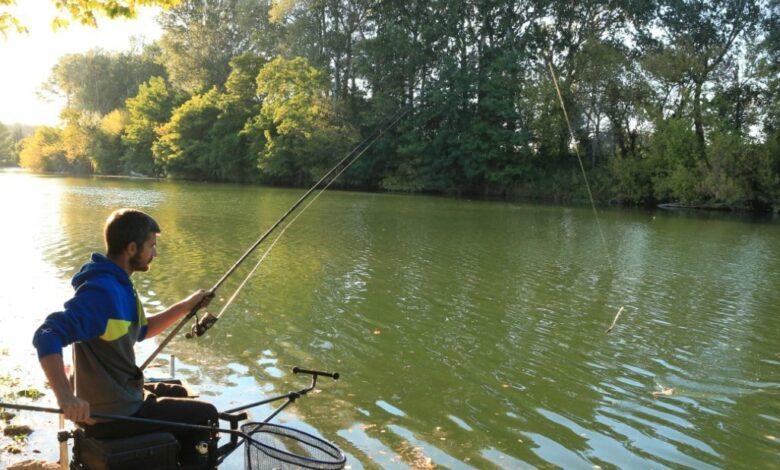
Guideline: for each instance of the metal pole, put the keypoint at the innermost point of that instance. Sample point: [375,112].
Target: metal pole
[63,446]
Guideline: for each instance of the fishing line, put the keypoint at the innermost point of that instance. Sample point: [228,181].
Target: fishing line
[585,178]
[579,159]
[208,320]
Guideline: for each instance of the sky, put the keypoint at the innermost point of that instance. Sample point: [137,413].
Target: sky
[26,60]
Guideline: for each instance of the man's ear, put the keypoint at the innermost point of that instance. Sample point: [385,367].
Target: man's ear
[131,249]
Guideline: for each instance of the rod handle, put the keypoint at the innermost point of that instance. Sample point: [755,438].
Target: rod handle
[333,375]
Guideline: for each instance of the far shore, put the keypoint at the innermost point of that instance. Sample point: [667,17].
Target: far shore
[704,207]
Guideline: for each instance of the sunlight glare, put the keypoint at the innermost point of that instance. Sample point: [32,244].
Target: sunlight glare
[27,59]
[32,287]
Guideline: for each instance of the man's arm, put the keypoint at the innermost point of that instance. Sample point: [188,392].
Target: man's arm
[74,408]
[82,320]
[158,323]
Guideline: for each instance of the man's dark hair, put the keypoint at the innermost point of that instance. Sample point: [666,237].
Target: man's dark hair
[124,226]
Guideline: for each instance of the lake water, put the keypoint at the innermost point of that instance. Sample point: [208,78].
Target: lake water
[468,334]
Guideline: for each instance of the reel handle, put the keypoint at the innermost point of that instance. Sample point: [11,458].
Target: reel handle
[201,326]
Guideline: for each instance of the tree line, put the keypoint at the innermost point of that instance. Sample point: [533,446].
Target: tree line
[10,141]
[669,100]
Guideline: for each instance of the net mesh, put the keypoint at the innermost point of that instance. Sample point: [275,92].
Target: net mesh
[278,447]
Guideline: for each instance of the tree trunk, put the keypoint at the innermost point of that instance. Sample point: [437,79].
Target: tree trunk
[697,118]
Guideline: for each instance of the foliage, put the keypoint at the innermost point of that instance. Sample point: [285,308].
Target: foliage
[201,37]
[697,39]
[302,137]
[668,101]
[183,145]
[84,12]
[739,174]
[8,155]
[148,110]
[43,151]
[8,21]
[99,81]
[673,156]
[632,180]
[107,148]
[768,69]
[205,138]
[31,392]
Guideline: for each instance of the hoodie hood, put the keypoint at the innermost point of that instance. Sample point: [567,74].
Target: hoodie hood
[100,265]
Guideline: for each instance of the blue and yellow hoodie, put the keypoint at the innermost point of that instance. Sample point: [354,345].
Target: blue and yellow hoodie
[103,321]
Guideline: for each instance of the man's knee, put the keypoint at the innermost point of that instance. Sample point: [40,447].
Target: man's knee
[162,389]
[199,411]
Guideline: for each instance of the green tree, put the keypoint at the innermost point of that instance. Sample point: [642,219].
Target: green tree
[8,155]
[670,100]
[43,151]
[233,138]
[740,174]
[326,33]
[302,138]
[84,12]
[183,145]
[77,141]
[241,84]
[203,140]
[769,69]
[201,37]
[689,41]
[769,75]
[98,81]
[732,107]
[582,41]
[149,109]
[394,59]
[107,149]
[673,155]
[205,137]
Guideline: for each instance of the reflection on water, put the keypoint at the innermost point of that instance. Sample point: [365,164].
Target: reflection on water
[468,334]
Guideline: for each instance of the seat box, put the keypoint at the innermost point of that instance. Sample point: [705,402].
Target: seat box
[153,451]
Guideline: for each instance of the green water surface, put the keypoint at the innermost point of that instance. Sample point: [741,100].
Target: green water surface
[468,334]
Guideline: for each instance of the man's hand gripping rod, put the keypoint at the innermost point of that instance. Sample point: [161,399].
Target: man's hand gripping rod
[197,328]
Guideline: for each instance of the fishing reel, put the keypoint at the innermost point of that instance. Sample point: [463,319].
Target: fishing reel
[201,325]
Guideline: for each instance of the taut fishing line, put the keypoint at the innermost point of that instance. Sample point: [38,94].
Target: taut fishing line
[579,159]
[585,178]
[203,324]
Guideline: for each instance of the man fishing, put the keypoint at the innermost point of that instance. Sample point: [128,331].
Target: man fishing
[103,321]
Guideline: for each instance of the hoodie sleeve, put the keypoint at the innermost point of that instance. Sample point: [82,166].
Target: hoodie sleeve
[143,330]
[85,317]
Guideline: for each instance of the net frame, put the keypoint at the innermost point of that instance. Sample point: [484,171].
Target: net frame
[256,432]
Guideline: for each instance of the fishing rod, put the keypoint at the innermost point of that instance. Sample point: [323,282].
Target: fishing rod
[203,324]
[291,397]
[132,419]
